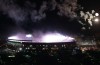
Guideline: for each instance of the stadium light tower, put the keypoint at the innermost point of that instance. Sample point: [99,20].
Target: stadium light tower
[96,14]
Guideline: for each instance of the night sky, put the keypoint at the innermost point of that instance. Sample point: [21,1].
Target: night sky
[45,15]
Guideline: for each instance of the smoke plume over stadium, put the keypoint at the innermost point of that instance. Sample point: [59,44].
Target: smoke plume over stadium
[31,15]
[21,10]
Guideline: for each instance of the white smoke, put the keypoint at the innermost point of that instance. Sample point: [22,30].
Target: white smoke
[81,22]
[68,8]
[87,16]
[12,10]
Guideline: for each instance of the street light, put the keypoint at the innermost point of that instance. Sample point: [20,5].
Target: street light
[96,14]
[96,20]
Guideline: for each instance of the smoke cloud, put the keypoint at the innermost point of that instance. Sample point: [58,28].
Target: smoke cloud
[87,16]
[24,10]
[68,8]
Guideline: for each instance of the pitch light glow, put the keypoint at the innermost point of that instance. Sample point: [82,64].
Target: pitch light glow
[28,35]
[45,38]
[56,37]
[13,37]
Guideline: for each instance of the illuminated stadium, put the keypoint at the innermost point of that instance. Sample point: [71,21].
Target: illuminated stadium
[45,38]
[48,41]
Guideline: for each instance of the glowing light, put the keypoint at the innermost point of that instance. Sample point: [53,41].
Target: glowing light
[29,35]
[20,49]
[96,20]
[13,37]
[96,14]
[83,28]
[56,37]
[48,37]
[12,56]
